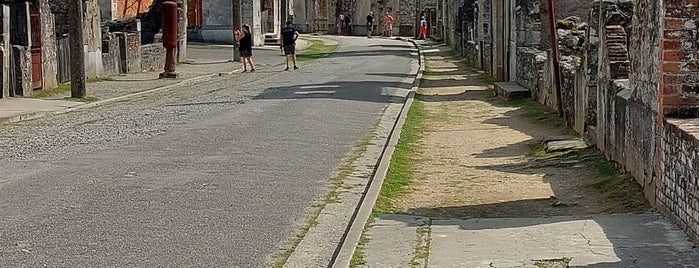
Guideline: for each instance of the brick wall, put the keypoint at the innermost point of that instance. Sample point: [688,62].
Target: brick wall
[678,195]
[680,66]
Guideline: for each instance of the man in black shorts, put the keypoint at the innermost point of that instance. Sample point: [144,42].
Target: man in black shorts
[288,41]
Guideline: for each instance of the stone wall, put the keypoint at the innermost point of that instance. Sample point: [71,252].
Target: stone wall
[530,71]
[110,54]
[528,25]
[678,195]
[152,57]
[130,46]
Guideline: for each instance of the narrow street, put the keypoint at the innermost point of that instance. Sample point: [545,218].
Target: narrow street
[221,173]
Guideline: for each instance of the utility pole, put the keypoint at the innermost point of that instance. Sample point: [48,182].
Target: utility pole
[236,24]
[77,49]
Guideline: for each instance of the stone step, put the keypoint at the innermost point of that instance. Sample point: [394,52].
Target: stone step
[511,90]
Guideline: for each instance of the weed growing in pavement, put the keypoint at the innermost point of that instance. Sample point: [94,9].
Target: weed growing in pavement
[316,50]
[358,254]
[422,247]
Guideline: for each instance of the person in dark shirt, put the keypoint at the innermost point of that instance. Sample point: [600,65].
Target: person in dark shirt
[369,24]
[245,49]
[288,42]
[348,24]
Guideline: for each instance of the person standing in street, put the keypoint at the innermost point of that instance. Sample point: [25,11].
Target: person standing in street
[288,42]
[388,22]
[244,37]
[348,24]
[369,24]
[423,29]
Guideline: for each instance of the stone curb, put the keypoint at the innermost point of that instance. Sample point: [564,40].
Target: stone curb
[361,216]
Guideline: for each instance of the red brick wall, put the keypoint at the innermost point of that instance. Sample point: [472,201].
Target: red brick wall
[679,73]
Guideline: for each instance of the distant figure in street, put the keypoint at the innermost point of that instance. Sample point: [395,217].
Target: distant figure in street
[423,29]
[388,22]
[288,42]
[369,24]
[348,24]
[339,23]
[244,36]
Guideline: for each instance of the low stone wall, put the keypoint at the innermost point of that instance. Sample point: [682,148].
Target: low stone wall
[472,54]
[678,194]
[152,57]
[530,69]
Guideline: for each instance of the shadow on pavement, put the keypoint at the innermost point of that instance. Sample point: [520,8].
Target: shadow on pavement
[369,91]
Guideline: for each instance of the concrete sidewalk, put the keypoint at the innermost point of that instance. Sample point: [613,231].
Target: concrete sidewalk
[617,240]
[205,61]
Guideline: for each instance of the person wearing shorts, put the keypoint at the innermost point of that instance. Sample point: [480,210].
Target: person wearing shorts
[423,29]
[288,42]
[245,49]
[388,21]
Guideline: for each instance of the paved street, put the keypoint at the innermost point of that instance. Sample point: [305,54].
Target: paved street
[221,173]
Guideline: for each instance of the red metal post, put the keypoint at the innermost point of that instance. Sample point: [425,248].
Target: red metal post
[170,20]
[554,54]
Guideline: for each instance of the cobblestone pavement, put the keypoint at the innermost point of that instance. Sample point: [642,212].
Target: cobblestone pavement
[217,173]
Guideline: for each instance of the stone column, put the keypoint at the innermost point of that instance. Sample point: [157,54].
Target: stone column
[182,32]
[48,46]
[277,17]
[92,34]
[257,33]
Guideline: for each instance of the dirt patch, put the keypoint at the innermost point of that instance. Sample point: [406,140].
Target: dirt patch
[477,157]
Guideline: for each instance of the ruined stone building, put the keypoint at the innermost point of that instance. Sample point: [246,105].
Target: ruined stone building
[629,72]
[212,20]
[34,43]
[321,15]
[32,47]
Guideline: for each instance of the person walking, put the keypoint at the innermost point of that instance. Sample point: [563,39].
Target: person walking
[388,22]
[288,42]
[369,24]
[244,37]
[423,29]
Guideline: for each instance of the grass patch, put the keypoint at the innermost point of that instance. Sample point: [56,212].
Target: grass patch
[316,50]
[400,171]
[61,89]
[619,187]
[50,92]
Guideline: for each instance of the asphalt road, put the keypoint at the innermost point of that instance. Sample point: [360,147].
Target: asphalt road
[217,174]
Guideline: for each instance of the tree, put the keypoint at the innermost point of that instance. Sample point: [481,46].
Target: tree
[77,49]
